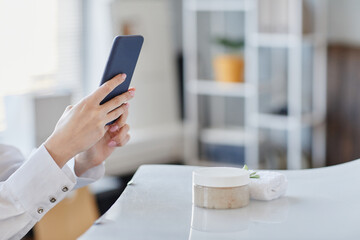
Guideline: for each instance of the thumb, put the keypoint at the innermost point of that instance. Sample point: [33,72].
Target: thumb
[68,108]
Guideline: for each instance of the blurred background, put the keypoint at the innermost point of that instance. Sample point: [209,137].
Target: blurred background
[268,83]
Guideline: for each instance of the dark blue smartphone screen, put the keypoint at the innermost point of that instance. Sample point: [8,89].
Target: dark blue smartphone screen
[123,58]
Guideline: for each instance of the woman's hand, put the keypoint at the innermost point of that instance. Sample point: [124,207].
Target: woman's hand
[83,125]
[116,136]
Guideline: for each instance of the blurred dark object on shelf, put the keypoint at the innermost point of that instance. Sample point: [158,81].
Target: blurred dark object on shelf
[283,111]
[180,79]
[224,154]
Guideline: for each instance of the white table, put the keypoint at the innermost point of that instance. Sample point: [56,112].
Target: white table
[320,203]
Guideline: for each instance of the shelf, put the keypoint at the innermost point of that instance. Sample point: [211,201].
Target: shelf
[216,5]
[213,88]
[253,90]
[283,122]
[280,40]
[224,136]
[272,121]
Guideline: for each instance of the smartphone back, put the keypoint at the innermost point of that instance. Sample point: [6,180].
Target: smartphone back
[123,58]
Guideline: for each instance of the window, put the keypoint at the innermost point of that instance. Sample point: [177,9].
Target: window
[40,46]
[40,53]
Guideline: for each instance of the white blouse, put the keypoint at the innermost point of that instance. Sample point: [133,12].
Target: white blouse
[29,189]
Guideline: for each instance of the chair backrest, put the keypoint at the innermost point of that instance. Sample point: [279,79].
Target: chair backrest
[68,219]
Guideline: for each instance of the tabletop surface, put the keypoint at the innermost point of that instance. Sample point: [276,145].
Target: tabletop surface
[321,203]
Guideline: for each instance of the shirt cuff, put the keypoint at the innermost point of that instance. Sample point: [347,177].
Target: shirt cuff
[90,176]
[39,184]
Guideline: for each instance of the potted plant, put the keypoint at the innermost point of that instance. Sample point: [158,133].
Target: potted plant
[229,67]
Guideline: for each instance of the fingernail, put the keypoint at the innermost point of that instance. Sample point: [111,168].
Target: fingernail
[124,76]
[127,105]
[112,144]
[114,128]
[132,92]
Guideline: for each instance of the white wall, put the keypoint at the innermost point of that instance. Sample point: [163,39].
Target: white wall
[343,21]
[31,118]
[156,98]
[156,130]
[98,37]
[155,102]
[20,121]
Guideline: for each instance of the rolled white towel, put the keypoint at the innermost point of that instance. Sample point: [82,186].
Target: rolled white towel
[269,186]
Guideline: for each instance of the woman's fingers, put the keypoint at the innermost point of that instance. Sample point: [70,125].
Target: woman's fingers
[107,88]
[124,141]
[68,108]
[121,138]
[116,113]
[118,100]
[121,121]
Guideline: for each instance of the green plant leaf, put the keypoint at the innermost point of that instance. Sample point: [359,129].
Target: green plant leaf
[253,174]
[230,43]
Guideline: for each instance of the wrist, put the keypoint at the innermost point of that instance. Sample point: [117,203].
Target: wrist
[80,165]
[58,151]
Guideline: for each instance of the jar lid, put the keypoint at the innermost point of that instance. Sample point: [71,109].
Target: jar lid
[221,177]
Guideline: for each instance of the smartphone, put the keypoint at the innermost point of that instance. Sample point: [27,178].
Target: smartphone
[123,57]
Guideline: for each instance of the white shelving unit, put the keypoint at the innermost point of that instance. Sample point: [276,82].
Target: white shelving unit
[231,136]
[212,88]
[296,120]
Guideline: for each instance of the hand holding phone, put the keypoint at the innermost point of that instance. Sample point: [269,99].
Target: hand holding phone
[123,58]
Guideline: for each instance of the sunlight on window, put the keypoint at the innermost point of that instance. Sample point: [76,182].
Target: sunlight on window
[40,55]
[28,45]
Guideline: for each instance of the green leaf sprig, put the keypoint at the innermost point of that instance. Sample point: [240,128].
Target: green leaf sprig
[230,43]
[253,174]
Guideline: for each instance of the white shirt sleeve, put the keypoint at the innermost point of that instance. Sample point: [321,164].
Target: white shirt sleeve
[28,190]
[90,176]
[10,160]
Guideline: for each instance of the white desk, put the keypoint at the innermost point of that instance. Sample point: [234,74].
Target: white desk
[320,204]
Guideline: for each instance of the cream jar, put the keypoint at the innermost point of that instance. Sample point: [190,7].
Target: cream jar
[221,187]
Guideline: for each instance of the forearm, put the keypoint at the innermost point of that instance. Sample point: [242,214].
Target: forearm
[31,191]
